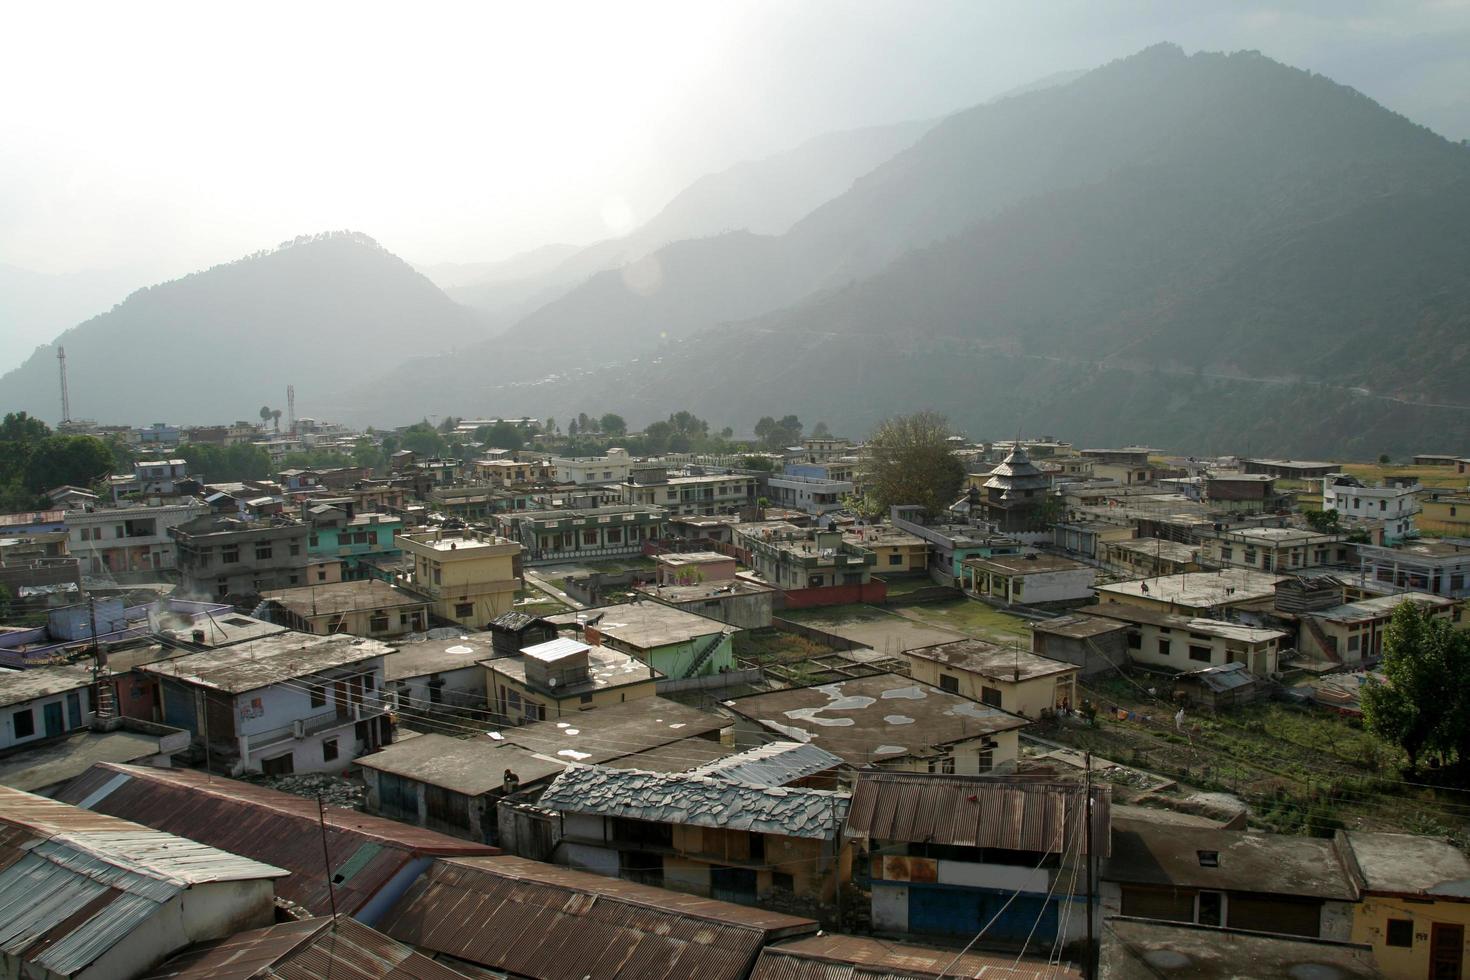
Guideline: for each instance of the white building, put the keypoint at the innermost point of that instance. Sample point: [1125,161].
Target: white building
[612,468]
[159,476]
[1356,504]
[44,702]
[286,703]
[109,540]
[92,897]
[810,494]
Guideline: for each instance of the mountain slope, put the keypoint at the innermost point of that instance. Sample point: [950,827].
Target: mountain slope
[534,262]
[1191,251]
[34,307]
[764,197]
[326,313]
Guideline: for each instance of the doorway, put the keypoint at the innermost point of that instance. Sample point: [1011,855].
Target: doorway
[1446,951]
[281,765]
[54,724]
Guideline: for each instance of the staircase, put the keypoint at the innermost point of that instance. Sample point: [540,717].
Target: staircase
[702,657]
[104,707]
[1323,640]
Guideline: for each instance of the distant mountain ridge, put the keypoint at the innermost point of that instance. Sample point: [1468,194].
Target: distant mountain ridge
[762,197]
[327,313]
[1167,231]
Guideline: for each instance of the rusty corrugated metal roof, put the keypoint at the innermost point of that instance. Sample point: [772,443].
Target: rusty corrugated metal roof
[552,923]
[308,950]
[974,811]
[838,957]
[271,826]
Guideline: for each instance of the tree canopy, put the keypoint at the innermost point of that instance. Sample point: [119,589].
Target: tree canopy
[778,433]
[34,460]
[1423,706]
[909,461]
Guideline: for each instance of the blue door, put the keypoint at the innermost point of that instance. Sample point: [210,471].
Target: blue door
[54,724]
[73,710]
[962,912]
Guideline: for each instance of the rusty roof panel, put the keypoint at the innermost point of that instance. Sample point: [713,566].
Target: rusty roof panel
[268,825]
[544,921]
[834,956]
[307,950]
[974,811]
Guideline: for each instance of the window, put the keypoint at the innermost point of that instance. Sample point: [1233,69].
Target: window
[1208,859]
[1226,553]
[1201,654]
[585,699]
[950,683]
[464,610]
[895,559]
[25,723]
[1211,907]
[312,541]
[318,695]
[990,696]
[295,548]
[589,536]
[1383,505]
[1400,932]
[229,554]
[329,750]
[943,764]
[782,882]
[1135,640]
[436,575]
[378,623]
[262,552]
[1163,648]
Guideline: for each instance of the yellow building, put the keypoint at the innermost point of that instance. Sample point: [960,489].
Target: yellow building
[367,608]
[735,841]
[469,577]
[1448,514]
[898,551]
[1413,903]
[1008,678]
[509,472]
[563,677]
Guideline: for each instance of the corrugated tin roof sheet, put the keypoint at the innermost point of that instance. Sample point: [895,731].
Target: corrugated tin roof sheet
[542,921]
[700,801]
[772,764]
[974,811]
[67,896]
[267,825]
[837,957]
[308,950]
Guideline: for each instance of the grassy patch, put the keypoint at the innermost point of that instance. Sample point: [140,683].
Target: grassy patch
[773,646]
[971,617]
[1430,476]
[908,584]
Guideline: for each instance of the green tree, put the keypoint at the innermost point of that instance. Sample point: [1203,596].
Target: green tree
[613,424]
[422,438]
[909,461]
[1417,707]
[656,438]
[265,414]
[820,431]
[777,434]
[1322,521]
[81,461]
[501,435]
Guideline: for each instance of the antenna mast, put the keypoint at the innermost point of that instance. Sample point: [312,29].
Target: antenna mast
[65,400]
[291,409]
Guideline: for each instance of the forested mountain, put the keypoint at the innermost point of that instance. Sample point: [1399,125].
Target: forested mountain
[328,314]
[533,262]
[34,306]
[763,197]
[1171,248]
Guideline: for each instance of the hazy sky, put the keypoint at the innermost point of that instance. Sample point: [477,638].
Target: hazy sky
[166,137]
